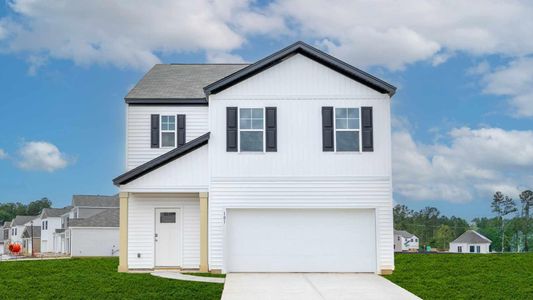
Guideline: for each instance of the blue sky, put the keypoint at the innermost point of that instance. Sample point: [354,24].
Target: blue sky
[463,113]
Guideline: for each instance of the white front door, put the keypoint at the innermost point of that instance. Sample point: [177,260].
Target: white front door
[167,237]
[300,240]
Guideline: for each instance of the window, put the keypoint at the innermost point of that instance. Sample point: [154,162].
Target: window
[168,131]
[472,249]
[167,217]
[347,129]
[460,249]
[478,249]
[398,238]
[251,129]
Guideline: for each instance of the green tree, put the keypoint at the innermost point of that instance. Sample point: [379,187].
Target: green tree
[526,198]
[35,207]
[444,236]
[502,206]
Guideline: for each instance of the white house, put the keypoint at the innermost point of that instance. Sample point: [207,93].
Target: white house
[283,165]
[3,238]
[50,221]
[405,241]
[17,227]
[470,241]
[89,227]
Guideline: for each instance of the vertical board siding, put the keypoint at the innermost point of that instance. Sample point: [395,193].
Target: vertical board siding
[141,224]
[373,193]
[138,131]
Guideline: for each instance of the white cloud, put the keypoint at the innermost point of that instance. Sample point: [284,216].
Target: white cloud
[41,156]
[223,57]
[514,81]
[385,33]
[397,33]
[474,162]
[3,154]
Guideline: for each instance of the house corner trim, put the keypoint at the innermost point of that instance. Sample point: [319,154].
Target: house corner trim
[123,242]
[203,231]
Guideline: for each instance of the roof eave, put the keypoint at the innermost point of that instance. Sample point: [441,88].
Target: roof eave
[166,101]
[161,160]
[308,51]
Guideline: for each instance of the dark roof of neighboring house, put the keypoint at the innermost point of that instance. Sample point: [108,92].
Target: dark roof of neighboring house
[472,237]
[21,220]
[95,201]
[179,83]
[60,230]
[54,212]
[404,233]
[162,160]
[106,218]
[36,232]
[310,52]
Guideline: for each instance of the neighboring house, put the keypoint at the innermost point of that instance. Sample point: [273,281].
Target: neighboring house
[31,240]
[6,234]
[470,241]
[17,227]
[2,243]
[97,235]
[405,241]
[283,165]
[84,228]
[50,221]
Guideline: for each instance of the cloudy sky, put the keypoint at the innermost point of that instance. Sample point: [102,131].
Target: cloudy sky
[463,114]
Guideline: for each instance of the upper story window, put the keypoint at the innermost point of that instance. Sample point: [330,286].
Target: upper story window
[251,129]
[168,131]
[347,129]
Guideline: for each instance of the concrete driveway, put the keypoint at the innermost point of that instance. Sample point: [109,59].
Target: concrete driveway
[311,286]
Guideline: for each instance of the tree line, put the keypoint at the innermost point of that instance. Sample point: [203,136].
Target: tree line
[509,230]
[8,211]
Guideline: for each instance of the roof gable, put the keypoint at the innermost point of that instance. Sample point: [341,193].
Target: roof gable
[472,237]
[310,52]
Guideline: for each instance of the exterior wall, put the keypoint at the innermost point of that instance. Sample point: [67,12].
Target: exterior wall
[485,248]
[141,224]
[189,173]
[400,241]
[138,150]
[300,174]
[17,238]
[47,235]
[325,192]
[94,241]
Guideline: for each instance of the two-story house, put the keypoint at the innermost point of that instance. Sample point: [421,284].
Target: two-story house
[283,165]
[17,227]
[50,221]
[89,227]
[405,241]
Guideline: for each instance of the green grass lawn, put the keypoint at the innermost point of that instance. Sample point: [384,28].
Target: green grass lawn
[465,276]
[92,278]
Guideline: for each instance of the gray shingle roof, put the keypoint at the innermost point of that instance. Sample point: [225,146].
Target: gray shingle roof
[95,201]
[54,212]
[403,233]
[472,237]
[21,220]
[180,81]
[107,218]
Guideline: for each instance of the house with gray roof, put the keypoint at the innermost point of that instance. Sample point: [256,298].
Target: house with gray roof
[50,221]
[31,240]
[470,241]
[89,227]
[17,227]
[405,241]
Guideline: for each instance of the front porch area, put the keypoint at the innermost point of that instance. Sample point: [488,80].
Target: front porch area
[163,231]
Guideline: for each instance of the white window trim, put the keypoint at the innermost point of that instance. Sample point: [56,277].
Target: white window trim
[239,130]
[161,131]
[335,129]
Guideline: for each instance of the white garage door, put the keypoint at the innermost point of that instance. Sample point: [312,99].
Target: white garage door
[300,240]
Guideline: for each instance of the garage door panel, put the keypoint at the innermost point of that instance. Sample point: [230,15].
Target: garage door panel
[303,240]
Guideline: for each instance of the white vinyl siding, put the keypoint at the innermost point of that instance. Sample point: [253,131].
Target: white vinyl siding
[141,223]
[332,192]
[94,241]
[138,145]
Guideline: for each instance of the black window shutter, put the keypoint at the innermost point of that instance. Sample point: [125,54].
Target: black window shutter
[182,133]
[271,129]
[154,131]
[367,129]
[231,129]
[327,129]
